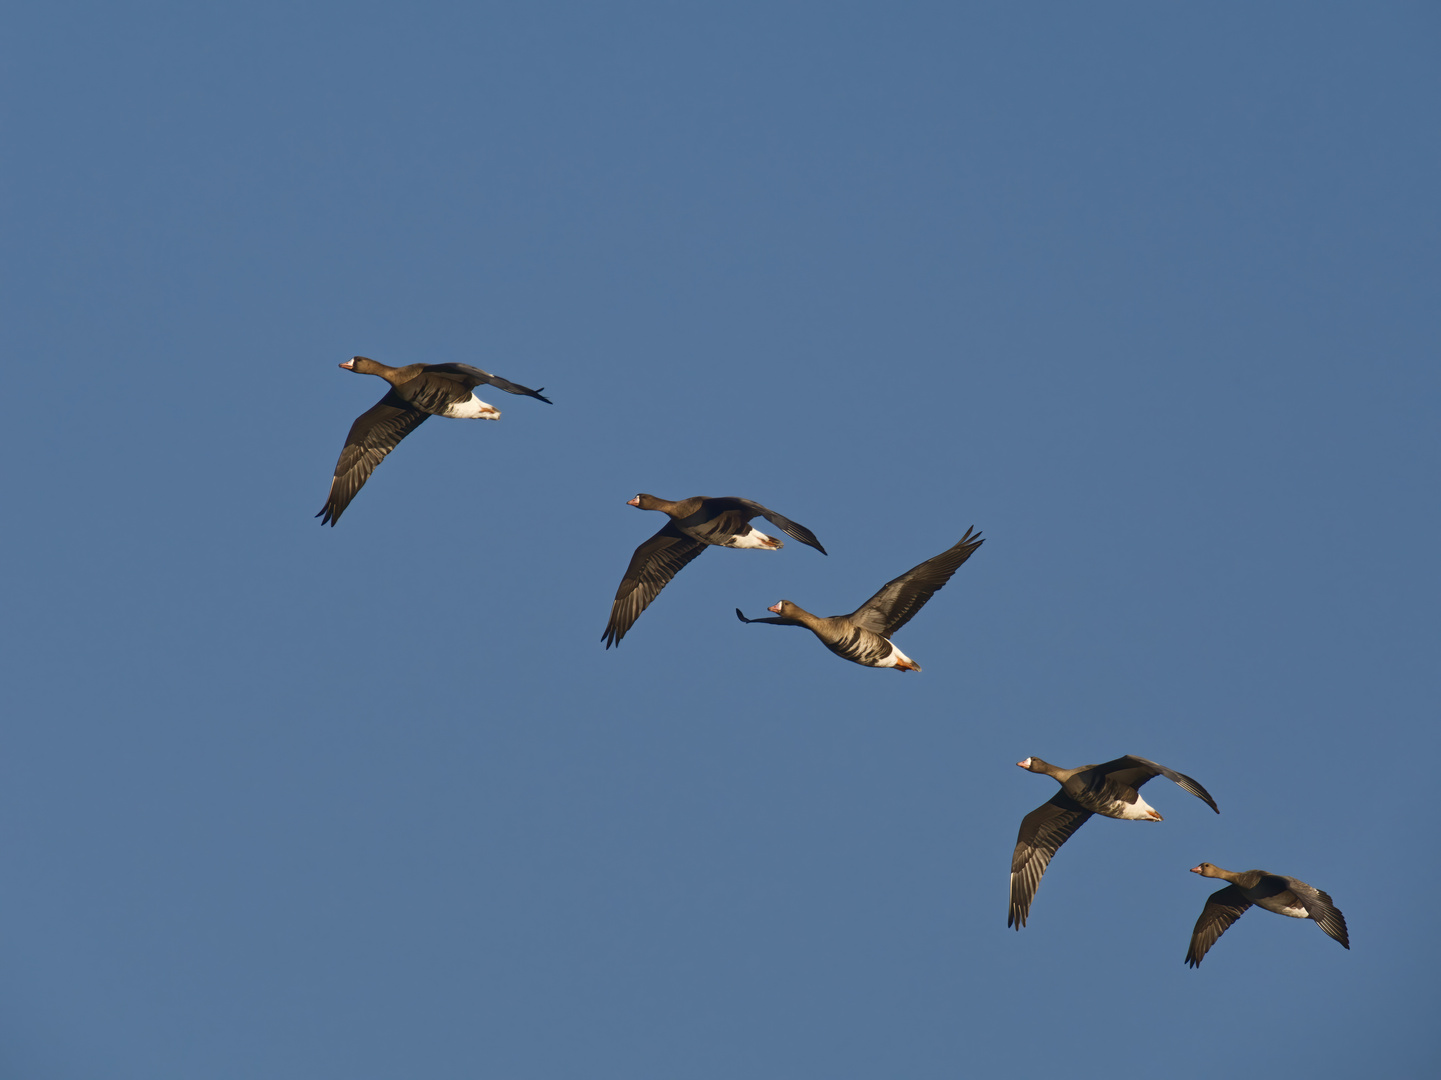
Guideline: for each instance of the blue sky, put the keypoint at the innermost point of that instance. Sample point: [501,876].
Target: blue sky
[1146,293]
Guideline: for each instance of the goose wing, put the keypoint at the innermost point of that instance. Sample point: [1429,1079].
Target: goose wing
[375,433]
[1043,831]
[892,607]
[474,377]
[1223,907]
[652,566]
[747,509]
[1134,771]
[1319,907]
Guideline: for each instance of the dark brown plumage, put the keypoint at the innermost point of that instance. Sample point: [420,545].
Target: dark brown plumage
[694,524]
[1274,892]
[416,392]
[1112,789]
[863,636]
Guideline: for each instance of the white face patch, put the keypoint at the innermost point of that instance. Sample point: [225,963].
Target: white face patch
[472,408]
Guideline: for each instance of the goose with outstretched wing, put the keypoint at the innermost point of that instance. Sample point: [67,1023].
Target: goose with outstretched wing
[864,636]
[417,392]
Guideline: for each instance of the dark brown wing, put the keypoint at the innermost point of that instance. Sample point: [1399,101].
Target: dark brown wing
[1042,833]
[749,509]
[374,434]
[473,377]
[892,607]
[1134,771]
[651,567]
[1223,907]
[1319,906]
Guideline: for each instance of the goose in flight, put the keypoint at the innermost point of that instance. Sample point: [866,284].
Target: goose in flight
[417,391]
[864,636]
[694,524]
[1274,892]
[1112,789]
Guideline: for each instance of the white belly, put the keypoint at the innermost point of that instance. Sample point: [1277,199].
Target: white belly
[472,408]
[754,538]
[1140,810]
[898,659]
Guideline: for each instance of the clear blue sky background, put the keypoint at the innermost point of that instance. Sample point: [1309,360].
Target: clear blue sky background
[1147,293]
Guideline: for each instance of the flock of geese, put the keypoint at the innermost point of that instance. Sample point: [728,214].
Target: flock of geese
[419,391]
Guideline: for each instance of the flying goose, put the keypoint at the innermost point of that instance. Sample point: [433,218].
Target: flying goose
[694,523]
[1274,892]
[1111,789]
[863,636]
[416,392]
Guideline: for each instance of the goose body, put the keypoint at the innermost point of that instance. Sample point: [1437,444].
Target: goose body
[864,636]
[417,392]
[1284,895]
[1111,790]
[695,524]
